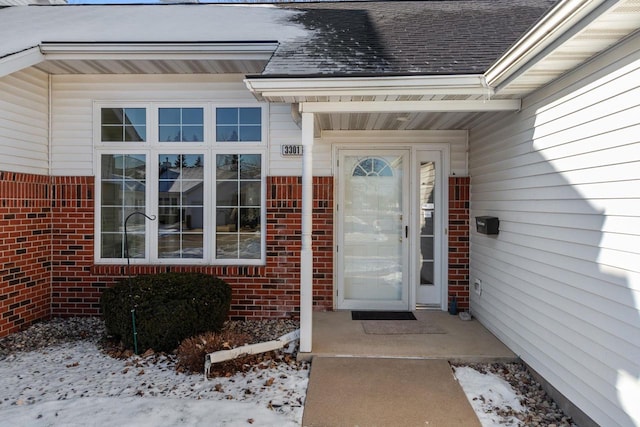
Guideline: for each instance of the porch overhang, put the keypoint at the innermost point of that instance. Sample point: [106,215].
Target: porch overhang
[301,89]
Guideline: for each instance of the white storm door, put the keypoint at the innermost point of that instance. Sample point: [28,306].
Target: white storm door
[429,230]
[372,230]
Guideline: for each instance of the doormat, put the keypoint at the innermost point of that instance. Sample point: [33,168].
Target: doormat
[382,315]
[386,327]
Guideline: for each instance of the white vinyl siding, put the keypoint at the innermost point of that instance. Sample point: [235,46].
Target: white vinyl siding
[24,122]
[73,106]
[561,281]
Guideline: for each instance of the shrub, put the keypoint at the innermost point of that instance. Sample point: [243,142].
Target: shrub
[169,308]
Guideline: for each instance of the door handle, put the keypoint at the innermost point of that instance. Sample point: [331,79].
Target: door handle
[406,231]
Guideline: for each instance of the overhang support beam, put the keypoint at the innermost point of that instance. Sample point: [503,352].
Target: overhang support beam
[411,106]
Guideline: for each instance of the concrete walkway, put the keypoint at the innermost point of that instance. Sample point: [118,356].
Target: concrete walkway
[398,376]
[376,392]
[335,334]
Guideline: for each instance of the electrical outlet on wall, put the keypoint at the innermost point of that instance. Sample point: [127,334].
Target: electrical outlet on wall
[477,286]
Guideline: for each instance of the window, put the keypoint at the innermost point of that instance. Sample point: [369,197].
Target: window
[238,219]
[181,124]
[123,191]
[180,206]
[207,198]
[123,124]
[372,166]
[239,124]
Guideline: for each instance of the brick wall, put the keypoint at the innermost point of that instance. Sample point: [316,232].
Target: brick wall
[47,261]
[459,240]
[25,250]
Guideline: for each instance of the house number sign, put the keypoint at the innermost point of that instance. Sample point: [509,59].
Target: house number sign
[291,150]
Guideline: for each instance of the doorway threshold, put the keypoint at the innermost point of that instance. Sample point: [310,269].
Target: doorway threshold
[430,307]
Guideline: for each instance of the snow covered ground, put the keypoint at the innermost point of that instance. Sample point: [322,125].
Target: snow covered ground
[76,384]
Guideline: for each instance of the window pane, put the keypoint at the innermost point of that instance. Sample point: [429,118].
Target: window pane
[251,116]
[135,116]
[112,116]
[226,133]
[111,245]
[169,134]
[250,165]
[250,193]
[192,244]
[111,134]
[136,133]
[226,116]
[250,133]
[192,133]
[118,166]
[227,166]
[249,246]
[226,246]
[227,193]
[192,116]
[227,220]
[169,116]
[169,245]
[249,219]
[134,166]
[112,219]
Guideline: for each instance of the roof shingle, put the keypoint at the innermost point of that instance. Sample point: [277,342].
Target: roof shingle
[404,37]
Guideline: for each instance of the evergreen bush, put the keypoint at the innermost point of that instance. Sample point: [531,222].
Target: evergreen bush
[169,307]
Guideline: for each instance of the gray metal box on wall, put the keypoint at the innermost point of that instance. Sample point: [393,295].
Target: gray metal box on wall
[487,224]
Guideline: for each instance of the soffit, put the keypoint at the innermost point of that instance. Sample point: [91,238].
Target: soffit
[602,32]
[150,66]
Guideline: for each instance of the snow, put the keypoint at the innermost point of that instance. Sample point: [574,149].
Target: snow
[208,22]
[485,393]
[78,385]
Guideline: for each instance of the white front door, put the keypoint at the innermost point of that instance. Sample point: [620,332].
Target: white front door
[372,213]
[428,234]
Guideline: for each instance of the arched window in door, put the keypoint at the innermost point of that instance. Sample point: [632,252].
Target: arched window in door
[372,166]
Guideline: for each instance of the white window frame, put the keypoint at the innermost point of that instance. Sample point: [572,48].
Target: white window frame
[152,148]
[264,119]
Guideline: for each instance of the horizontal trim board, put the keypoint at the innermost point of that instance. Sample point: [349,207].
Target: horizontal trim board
[403,106]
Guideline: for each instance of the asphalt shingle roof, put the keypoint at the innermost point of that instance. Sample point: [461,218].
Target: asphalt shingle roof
[404,37]
[315,39]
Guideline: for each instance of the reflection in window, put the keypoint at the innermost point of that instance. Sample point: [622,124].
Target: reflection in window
[123,124]
[238,201]
[181,124]
[427,218]
[372,166]
[180,206]
[123,189]
[239,124]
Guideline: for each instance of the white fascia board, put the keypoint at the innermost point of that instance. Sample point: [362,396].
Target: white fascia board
[20,60]
[168,51]
[468,84]
[552,26]
[410,106]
